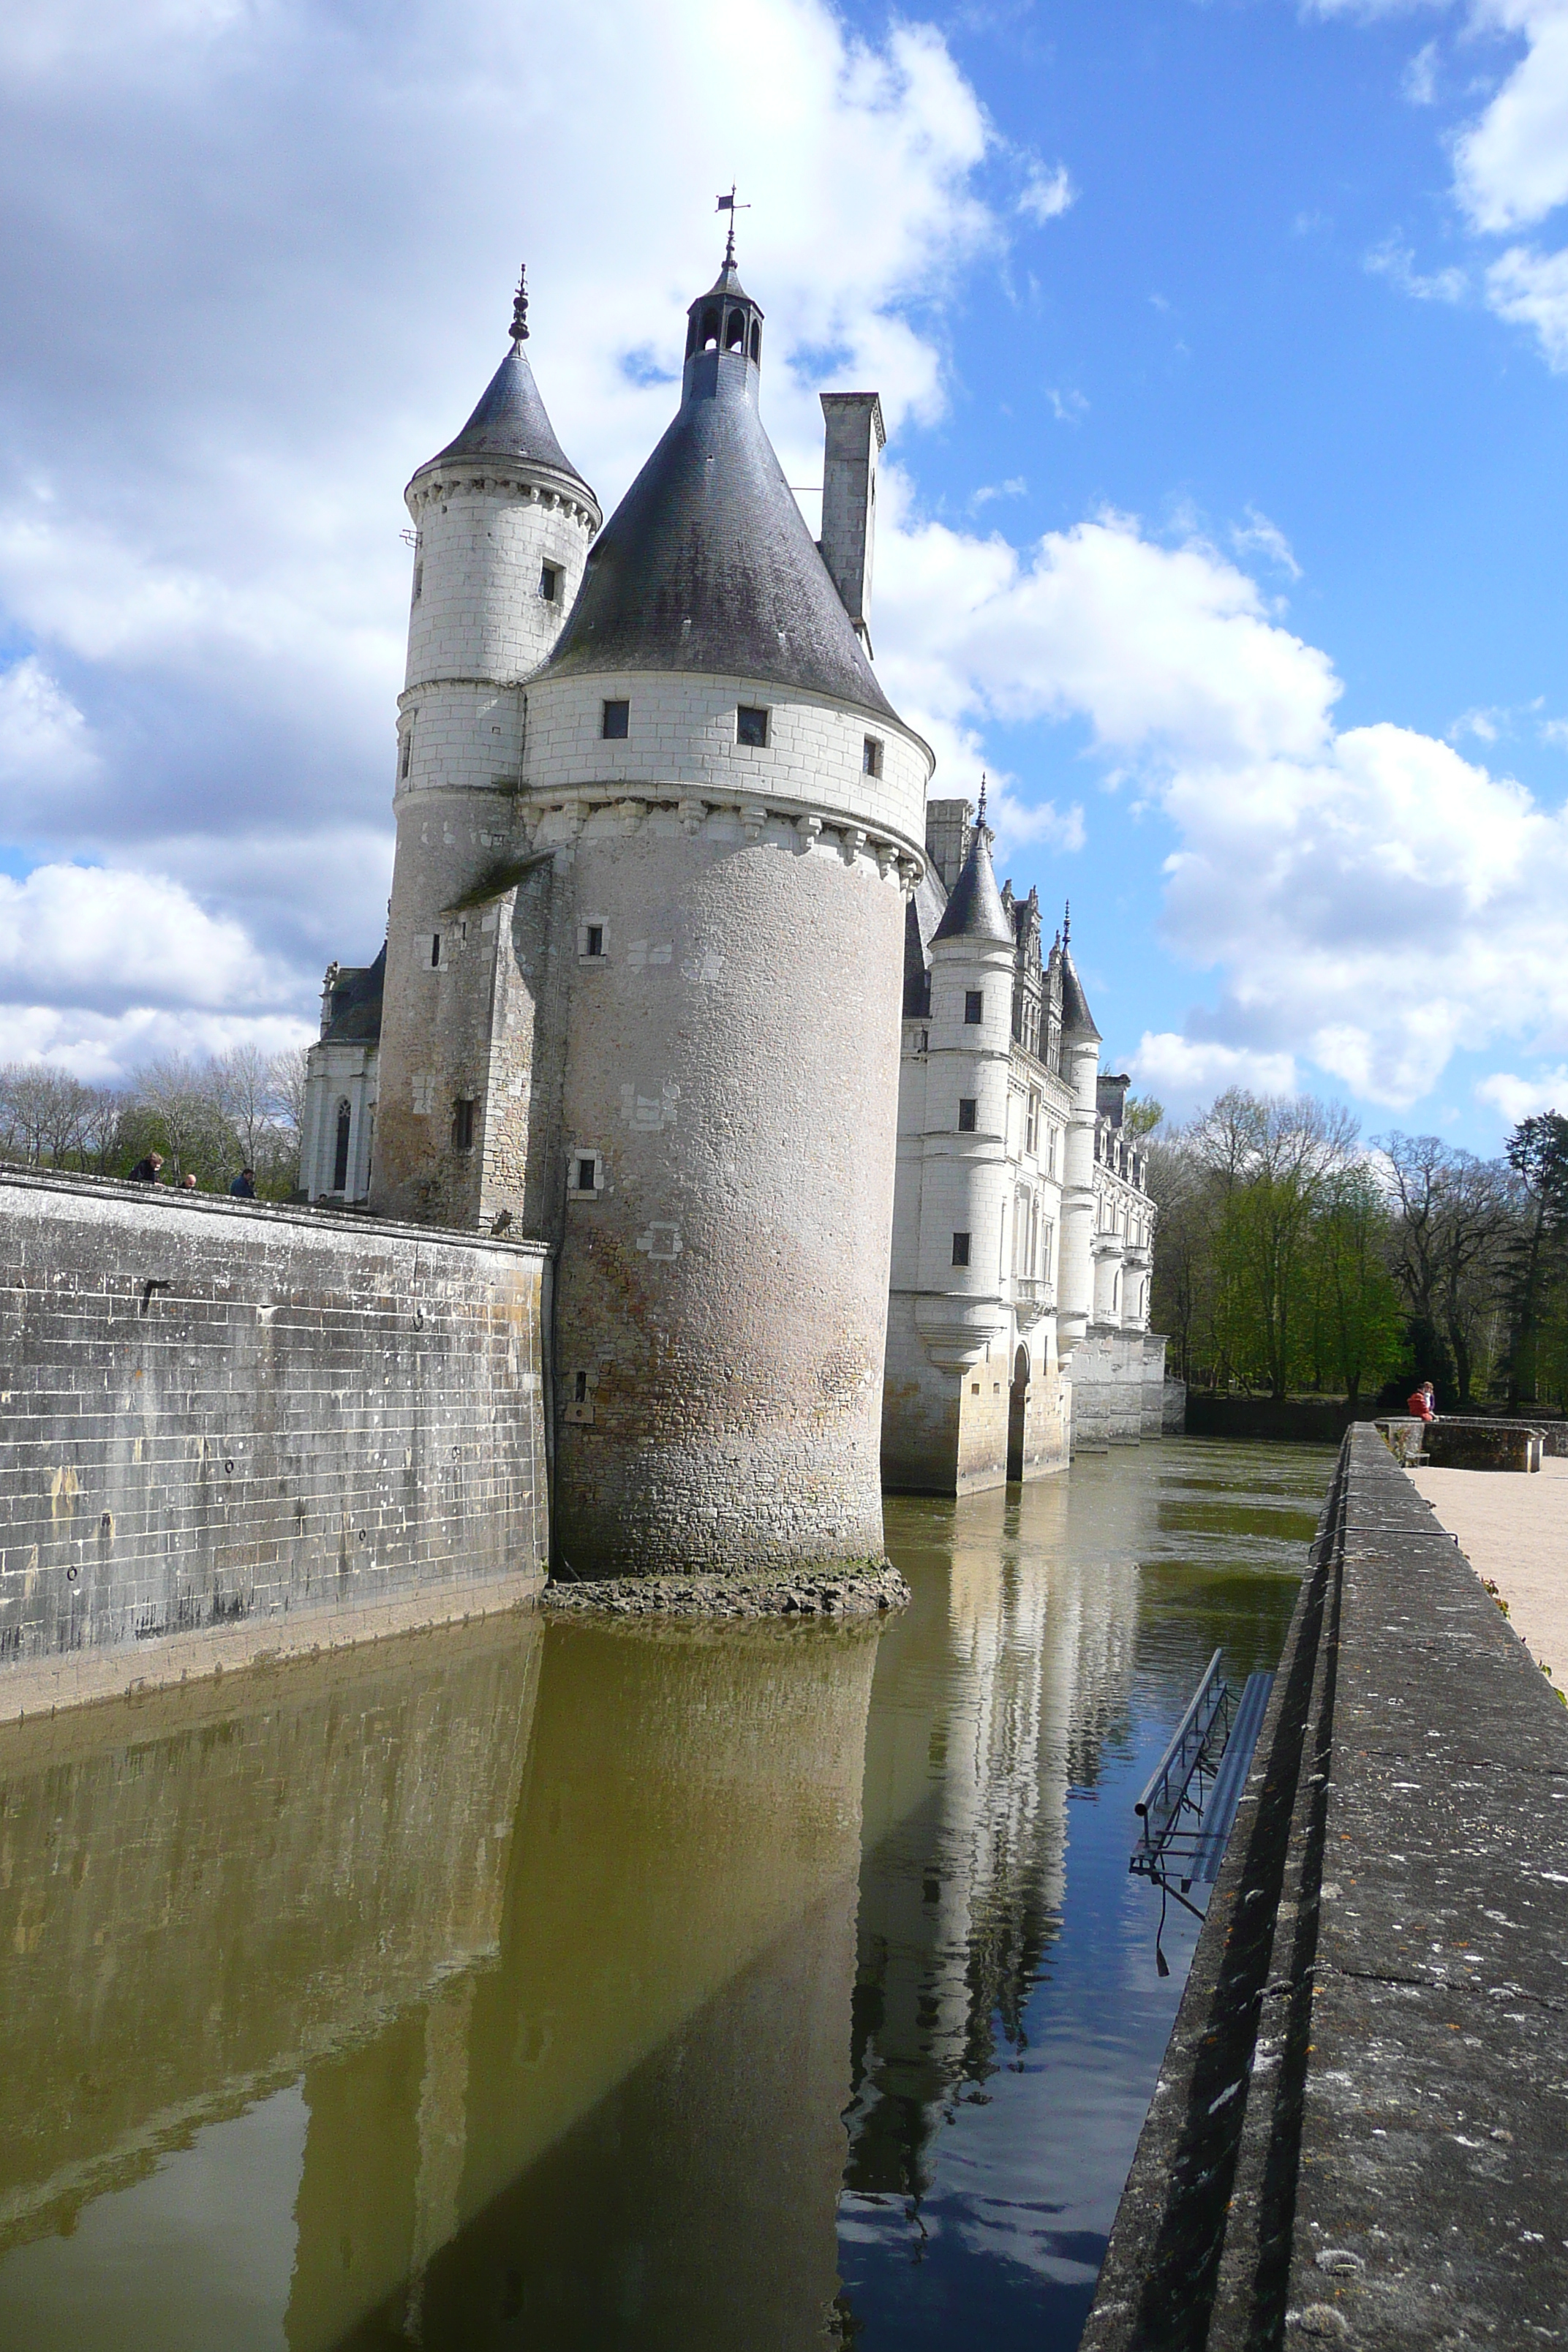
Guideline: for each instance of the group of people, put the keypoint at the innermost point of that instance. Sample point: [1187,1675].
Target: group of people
[150,1171]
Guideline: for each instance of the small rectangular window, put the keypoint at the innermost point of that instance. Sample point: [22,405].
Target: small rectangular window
[1032,1125]
[751,727]
[550,583]
[582,1385]
[871,757]
[419,581]
[967,1107]
[435,950]
[463,1123]
[594,939]
[961,1249]
[405,757]
[585,1173]
[974,1007]
[618,722]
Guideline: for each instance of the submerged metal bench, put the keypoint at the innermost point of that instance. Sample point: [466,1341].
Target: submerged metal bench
[1191,1800]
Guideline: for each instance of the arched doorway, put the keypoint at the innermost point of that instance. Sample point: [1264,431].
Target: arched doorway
[1017,1396]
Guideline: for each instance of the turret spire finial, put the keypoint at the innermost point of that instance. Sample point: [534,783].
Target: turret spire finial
[1067,923]
[728,205]
[980,812]
[519,307]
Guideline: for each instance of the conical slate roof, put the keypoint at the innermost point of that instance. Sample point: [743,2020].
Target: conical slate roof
[707,564]
[976,911]
[510,422]
[1077,1021]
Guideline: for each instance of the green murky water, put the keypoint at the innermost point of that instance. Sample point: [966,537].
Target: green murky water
[755,1986]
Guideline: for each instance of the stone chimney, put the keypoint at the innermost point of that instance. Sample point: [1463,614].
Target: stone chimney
[853,438]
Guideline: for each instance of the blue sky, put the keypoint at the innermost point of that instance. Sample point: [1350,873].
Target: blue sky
[1225,350]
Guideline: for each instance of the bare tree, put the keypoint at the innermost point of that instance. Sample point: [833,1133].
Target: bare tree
[1452,1223]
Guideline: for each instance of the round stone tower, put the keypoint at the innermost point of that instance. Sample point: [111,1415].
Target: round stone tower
[734,813]
[502,522]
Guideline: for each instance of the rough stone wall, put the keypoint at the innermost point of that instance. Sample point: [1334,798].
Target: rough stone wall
[216,1412]
[1109,1403]
[939,1438]
[732,1061]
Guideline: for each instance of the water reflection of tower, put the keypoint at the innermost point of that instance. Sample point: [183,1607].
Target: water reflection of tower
[995,1696]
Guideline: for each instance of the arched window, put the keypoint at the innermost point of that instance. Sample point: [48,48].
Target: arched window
[735,332]
[340,1156]
[710,330]
[756,339]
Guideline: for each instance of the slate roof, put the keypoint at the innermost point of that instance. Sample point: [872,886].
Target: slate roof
[356,1005]
[976,911]
[510,420]
[1077,1021]
[707,565]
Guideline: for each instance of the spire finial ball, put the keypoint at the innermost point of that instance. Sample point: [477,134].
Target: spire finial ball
[519,307]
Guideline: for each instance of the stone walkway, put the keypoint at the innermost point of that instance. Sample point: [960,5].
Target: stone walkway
[1513,1529]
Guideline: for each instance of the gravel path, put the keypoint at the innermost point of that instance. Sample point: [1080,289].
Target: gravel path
[1513,1528]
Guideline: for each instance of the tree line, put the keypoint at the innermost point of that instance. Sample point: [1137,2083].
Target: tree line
[1291,1256]
[207,1118]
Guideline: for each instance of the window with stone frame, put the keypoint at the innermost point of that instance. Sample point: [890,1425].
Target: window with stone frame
[616,722]
[751,726]
[961,1249]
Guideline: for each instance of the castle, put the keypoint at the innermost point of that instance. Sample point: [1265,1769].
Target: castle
[684,976]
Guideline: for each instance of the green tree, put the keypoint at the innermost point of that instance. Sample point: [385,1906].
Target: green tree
[1533,1269]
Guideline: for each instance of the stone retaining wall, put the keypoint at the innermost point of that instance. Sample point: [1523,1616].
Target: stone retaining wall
[227,1429]
[1360,2134]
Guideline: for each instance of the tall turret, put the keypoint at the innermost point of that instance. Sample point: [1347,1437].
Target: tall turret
[961,1307]
[502,523]
[1080,1067]
[728,812]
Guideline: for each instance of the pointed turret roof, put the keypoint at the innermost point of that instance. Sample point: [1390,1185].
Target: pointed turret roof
[510,420]
[707,564]
[1077,1021]
[976,911]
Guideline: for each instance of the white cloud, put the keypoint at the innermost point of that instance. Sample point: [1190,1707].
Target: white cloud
[45,743]
[105,1049]
[1510,167]
[106,937]
[1555,732]
[1532,289]
[1262,537]
[1394,260]
[1016,487]
[1518,1097]
[1184,1072]
[1047,193]
[1484,725]
[1067,408]
[1419,82]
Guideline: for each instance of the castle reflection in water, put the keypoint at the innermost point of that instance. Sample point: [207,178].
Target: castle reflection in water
[558,1984]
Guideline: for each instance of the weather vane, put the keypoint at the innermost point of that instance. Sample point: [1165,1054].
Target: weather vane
[519,307]
[728,205]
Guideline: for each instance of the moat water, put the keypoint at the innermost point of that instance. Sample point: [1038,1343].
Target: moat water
[742,1989]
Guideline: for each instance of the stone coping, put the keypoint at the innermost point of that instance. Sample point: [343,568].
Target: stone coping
[296,1213]
[1359,2133]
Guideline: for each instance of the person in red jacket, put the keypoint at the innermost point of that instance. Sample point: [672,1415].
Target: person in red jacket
[1424,1403]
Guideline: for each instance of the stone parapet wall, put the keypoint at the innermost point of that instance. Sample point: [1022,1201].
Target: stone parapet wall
[1357,2135]
[220,1418]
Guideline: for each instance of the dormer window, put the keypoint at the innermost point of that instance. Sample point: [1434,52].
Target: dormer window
[550,578]
[751,727]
